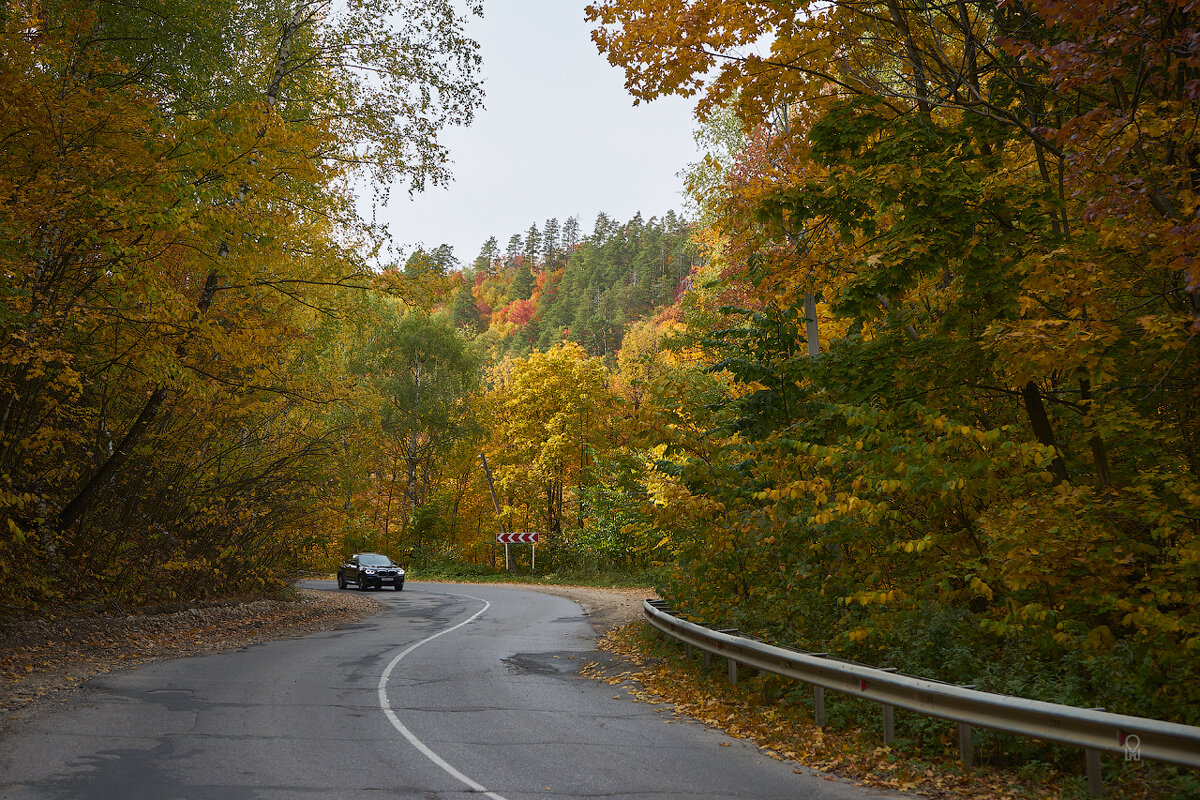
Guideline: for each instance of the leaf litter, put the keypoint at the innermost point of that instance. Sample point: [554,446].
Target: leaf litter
[41,657]
[656,673]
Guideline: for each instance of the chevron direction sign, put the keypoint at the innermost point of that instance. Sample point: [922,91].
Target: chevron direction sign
[516,538]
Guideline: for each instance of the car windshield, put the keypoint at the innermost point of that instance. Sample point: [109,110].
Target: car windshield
[373,560]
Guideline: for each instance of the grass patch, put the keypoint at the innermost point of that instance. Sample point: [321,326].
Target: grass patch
[473,573]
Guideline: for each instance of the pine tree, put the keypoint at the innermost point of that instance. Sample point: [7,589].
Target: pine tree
[522,285]
[489,254]
[464,312]
[570,234]
[422,263]
[533,245]
[551,248]
[603,229]
[513,251]
[445,259]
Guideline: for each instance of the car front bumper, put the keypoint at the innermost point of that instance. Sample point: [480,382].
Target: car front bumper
[381,580]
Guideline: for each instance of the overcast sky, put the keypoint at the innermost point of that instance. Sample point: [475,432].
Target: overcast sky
[559,137]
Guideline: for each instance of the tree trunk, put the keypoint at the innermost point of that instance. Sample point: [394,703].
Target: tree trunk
[83,501]
[1099,450]
[1042,430]
[811,331]
[914,57]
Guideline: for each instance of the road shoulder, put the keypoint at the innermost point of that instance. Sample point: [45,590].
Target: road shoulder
[42,658]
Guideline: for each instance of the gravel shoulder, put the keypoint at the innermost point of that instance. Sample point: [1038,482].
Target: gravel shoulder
[43,659]
[606,608]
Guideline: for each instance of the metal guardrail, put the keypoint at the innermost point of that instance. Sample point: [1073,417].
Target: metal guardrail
[1095,730]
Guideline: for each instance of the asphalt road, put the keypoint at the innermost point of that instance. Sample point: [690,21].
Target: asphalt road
[453,691]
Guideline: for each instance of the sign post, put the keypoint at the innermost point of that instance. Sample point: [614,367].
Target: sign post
[507,538]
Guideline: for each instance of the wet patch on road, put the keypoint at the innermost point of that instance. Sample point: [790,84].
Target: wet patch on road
[562,662]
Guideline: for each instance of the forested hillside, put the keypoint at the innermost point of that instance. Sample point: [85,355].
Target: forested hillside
[557,284]
[540,356]
[916,382]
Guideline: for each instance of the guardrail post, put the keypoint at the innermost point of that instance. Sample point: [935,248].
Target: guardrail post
[732,672]
[965,753]
[1095,774]
[889,725]
[707,660]
[819,705]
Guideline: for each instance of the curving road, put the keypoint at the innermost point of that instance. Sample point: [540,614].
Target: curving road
[453,691]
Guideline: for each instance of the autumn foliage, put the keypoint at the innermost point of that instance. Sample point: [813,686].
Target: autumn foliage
[989,472]
[919,387]
[175,229]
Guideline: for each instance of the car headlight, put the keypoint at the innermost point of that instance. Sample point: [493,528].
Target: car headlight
[369,571]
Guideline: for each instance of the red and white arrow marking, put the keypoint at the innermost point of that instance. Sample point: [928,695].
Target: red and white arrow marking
[516,538]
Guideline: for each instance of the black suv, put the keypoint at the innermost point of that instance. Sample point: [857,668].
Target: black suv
[366,570]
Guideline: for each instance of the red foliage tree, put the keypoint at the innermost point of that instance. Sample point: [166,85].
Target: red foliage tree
[521,311]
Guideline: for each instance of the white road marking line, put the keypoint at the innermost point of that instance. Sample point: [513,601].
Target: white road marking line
[409,735]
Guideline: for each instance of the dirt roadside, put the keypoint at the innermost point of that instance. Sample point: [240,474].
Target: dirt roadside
[606,608]
[41,659]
